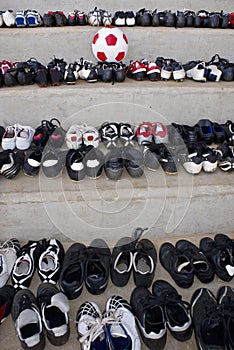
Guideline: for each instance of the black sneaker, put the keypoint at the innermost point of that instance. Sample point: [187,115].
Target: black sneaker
[180,19]
[126,134]
[225,156]
[144,262]
[209,325]
[56,133]
[73,269]
[167,161]
[94,162]
[133,161]
[49,19]
[189,18]
[121,261]
[11,163]
[150,318]
[10,77]
[219,252]
[25,265]
[191,159]
[219,133]
[32,161]
[114,164]
[143,17]
[44,131]
[51,260]
[109,133]
[71,74]
[52,162]
[205,131]
[56,69]
[202,268]
[54,307]
[105,72]
[152,155]
[7,294]
[177,314]
[97,266]
[27,319]
[75,162]
[229,131]
[40,72]
[225,298]
[60,19]
[25,73]
[177,264]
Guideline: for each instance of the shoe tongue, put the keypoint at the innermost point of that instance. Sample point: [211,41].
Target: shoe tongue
[230,270]
[117,331]
[60,301]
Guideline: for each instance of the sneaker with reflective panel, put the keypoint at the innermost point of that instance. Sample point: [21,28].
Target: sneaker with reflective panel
[8,256]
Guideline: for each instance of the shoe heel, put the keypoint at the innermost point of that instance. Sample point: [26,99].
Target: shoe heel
[55,77]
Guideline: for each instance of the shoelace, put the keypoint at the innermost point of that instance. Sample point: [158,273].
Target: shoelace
[95,326]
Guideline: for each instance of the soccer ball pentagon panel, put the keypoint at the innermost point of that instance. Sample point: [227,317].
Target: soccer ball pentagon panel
[110,44]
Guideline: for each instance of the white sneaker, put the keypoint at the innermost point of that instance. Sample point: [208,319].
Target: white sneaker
[24,137]
[91,136]
[197,73]
[8,18]
[9,138]
[122,330]
[8,255]
[74,136]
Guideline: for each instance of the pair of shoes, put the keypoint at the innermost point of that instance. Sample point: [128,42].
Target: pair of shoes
[147,18]
[118,158]
[17,136]
[51,132]
[159,310]
[11,163]
[198,158]
[115,329]
[39,71]
[85,160]
[56,18]
[49,310]
[159,154]
[30,18]
[78,135]
[46,257]
[225,155]
[110,133]
[8,255]
[99,17]
[140,70]
[76,17]
[7,293]
[202,72]
[184,261]
[220,253]
[88,70]
[155,131]
[111,72]
[122,18]
[213,318]
[170,68]
[89,265]
[133,254]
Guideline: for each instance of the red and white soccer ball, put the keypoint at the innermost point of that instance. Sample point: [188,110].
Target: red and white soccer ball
[110,44]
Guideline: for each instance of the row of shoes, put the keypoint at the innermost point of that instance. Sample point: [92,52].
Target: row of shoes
[148,316]
[58,71]
[100,17]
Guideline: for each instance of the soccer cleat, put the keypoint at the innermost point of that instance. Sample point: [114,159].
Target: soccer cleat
[159,132]
[130,19]
[71,18]
[94,162]
[8,18]
[225,298]
[109,133]
[225,155]
[20,19]
[11,163]
[49,19]
[177,314]
[33,18]
[144,132]
[74,136]
[126,134]
[133,161]
[152,70]
[40,72]
[209,159]
[94,17]
[81,18]
[73,271]
[48,130]
[114,164]
[167,161]
[60,19]
[24,137]
[90,136]
[124,332]
[25,73]
[144,262]
[166,69]
[219,253]
[143,17]
[97,267]
[88,71]
[52,162]
[71,74]
[56,69]
[75,162]
[202,268]
[136,70]
[119,19]
[192,160]
[32,161]
[177,264]
[196,70]
[8,255]
[25,265]
[56,134]
[209,325]
[91,331]
[54,308]
[106,18]
[180,19]
[178,71]
[121,261]
[105,72]
[50,261]
[7,294]
[150,318]
[27,319]
[189,18]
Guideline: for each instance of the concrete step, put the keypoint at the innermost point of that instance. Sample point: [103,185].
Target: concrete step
[132,101]
[69,5]
[182,44]
[179,206]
